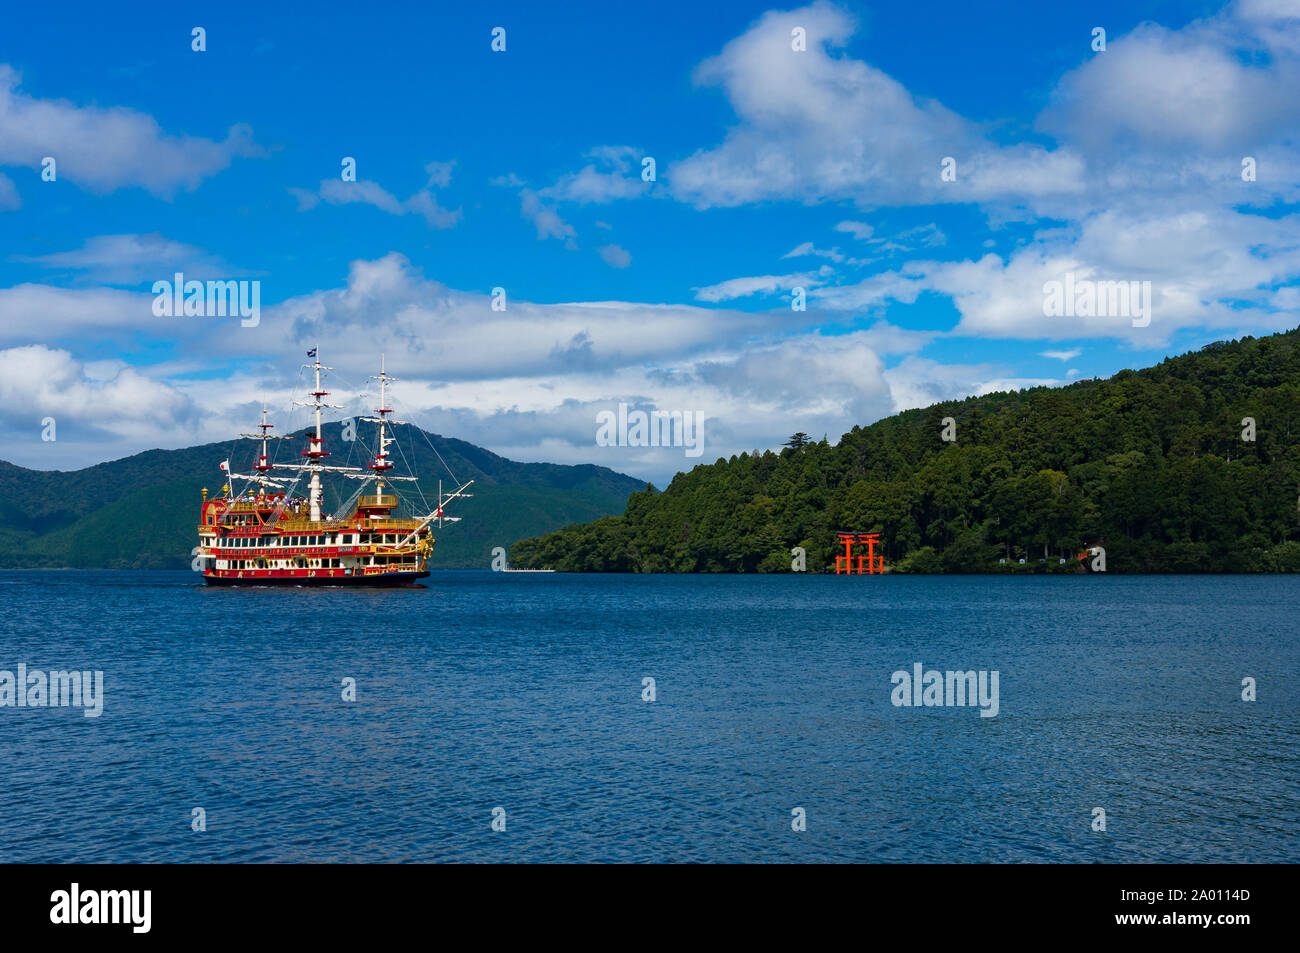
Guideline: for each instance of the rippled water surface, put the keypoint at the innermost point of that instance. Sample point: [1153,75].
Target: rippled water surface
[524,691]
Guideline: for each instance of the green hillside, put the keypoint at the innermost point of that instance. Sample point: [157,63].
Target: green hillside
[1152,464]
[141,512]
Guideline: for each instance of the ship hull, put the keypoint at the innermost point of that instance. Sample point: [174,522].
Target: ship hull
[386,580]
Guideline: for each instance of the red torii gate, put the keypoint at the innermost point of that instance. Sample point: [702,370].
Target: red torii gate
[874,565]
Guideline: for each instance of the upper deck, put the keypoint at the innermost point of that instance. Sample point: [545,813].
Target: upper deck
[275,514]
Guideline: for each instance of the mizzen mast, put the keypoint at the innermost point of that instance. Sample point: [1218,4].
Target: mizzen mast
[381,464]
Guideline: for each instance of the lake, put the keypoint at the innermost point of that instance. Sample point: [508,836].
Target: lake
[773,709]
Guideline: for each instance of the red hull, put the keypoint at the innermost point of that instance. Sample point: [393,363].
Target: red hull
[310,577]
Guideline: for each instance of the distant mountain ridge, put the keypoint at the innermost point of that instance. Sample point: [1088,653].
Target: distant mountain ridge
[141,512]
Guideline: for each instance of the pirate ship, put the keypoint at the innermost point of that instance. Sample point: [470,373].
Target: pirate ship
[264,534]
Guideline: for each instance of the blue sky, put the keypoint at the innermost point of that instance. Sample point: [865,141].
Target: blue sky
[775,168]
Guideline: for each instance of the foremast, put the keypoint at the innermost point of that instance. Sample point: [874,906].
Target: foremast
[263,467]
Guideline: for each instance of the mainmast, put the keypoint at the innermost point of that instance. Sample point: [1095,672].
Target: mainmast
[381,463]
[315,449]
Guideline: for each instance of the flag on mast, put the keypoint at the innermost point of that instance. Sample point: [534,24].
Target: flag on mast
[225,465]
[311,353]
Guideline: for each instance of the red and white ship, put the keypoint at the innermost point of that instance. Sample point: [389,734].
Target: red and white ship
[263,534]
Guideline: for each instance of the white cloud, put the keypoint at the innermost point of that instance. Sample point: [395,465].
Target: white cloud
[131,259]
[807,248]
[106,149]
[816,126]
[527,381]
[1062,355]
[1174,90]
[919,382]
[32,312]
[759,284]
[615,256]
[94,408]
[859,230]
[423,202]
[1204,266]
[546,220]
[614,173]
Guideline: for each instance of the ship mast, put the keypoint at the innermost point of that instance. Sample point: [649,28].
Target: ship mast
[382,464]
[315,449]
[263,465]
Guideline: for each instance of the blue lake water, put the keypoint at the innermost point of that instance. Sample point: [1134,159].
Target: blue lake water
[524,691]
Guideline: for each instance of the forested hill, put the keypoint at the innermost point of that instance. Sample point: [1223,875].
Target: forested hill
[1152,464]
[141,512]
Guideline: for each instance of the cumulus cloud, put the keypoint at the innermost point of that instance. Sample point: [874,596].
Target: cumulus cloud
[527,382]
[108,406]
[1170,91]
[106,149]
[816,126]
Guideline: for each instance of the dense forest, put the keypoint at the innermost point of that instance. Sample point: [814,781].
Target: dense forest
[1157,466]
